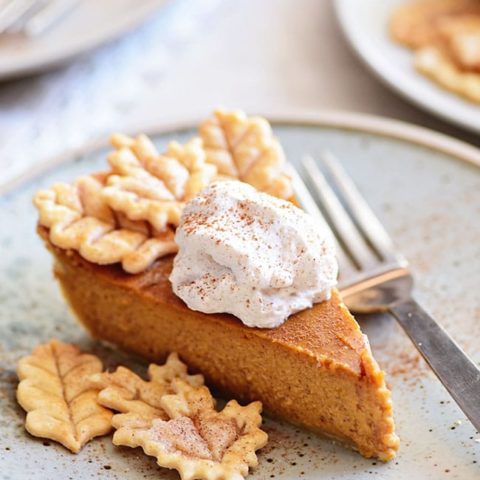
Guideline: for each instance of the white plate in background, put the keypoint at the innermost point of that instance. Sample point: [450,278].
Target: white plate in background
[91,24]
[365,25]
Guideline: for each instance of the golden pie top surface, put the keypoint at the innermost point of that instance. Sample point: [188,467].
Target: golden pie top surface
[326,331]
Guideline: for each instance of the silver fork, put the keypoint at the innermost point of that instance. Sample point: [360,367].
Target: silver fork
[374,277]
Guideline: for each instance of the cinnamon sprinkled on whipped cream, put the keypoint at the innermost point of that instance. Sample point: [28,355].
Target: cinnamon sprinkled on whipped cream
[252,255]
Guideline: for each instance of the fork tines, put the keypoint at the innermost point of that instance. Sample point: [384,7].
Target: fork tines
[360,236]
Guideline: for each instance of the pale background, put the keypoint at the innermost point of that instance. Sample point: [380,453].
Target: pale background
[264,56]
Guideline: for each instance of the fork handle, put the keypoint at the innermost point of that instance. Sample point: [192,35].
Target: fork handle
[449,362]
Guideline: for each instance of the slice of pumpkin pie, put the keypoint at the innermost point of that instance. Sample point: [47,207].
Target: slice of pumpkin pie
[249,300]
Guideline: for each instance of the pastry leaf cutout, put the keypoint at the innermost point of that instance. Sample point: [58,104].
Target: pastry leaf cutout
[56,392]
[137,400]
[146,185]
[78,218]
[245,148]
[172,417]
[195,439]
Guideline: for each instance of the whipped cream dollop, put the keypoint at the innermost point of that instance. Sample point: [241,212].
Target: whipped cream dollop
[252,255]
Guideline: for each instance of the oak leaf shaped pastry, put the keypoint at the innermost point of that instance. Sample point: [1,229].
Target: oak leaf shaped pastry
[197,440]
[79,218]
[245,148]
[148,186]
[137,400]
[55,390]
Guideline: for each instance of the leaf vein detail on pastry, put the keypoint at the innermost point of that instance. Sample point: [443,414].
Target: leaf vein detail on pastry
[245,148]
[61,407]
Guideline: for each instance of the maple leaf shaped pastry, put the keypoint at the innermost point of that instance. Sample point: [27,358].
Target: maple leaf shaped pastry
[55,390]
[79,218]
[245,148]
[196,440]
[147,185]
[137,400]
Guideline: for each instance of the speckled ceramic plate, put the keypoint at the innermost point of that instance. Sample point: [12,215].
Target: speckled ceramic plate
[427,195]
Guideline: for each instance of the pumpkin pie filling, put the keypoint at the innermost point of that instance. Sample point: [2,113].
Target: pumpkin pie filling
[315,370]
